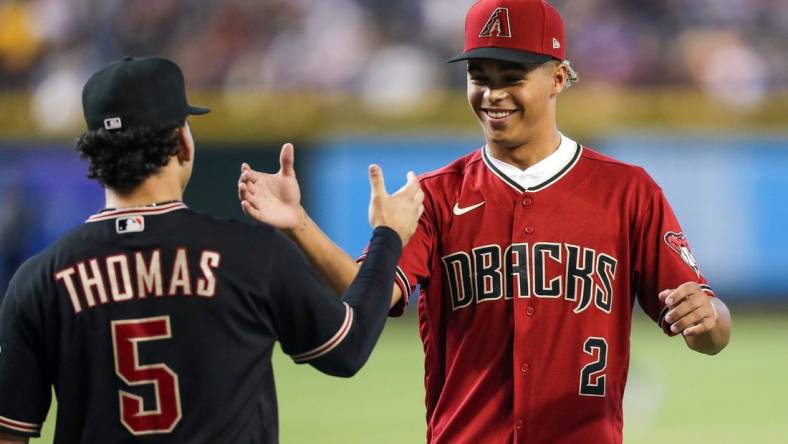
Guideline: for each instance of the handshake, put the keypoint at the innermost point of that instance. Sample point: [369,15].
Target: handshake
[276,199]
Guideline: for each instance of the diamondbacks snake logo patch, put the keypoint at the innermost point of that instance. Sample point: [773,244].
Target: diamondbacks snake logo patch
[678,243]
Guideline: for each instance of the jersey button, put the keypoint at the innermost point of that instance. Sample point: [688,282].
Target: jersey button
[519,424]
[528,202]
[530,311]
[529,230]
[524,368]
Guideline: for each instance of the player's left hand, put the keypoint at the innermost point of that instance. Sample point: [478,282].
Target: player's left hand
[692,311]
[273,198]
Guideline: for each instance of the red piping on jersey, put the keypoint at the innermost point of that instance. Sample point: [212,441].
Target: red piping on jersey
[19,426]
[332,343]
[145,211]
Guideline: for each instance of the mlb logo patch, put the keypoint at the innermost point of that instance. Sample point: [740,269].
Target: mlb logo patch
[130,224]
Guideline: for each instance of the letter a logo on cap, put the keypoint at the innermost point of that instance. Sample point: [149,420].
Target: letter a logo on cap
[498,24]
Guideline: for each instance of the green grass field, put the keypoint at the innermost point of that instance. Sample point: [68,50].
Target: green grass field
[674,395]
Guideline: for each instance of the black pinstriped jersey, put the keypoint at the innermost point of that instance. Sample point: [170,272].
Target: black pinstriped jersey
[157,324]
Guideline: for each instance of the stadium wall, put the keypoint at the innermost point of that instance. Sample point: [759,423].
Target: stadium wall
[728,192]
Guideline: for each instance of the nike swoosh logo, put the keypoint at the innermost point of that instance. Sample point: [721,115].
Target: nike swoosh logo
[460,211]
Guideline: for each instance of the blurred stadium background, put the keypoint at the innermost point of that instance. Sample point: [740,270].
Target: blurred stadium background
[696,91]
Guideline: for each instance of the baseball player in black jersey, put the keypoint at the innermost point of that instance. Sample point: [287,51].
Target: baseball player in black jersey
[154,323]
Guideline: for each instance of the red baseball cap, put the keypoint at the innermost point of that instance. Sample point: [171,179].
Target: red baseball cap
[519,31]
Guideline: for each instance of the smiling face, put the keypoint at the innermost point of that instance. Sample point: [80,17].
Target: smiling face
[514,103]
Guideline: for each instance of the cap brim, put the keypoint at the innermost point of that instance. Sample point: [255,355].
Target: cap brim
[502,54]
[197,110]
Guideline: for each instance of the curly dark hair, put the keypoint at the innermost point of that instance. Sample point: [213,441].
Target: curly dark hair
[123,159]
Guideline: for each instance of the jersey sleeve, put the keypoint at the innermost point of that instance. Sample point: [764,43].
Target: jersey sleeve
[663,257]
[335,336]
[24,387]
[414,266]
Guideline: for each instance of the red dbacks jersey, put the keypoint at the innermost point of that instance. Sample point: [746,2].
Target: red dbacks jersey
[527,296]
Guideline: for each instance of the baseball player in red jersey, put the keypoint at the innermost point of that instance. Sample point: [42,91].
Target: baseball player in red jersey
[530,255]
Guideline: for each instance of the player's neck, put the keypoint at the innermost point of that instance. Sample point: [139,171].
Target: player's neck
[530,152]
[162,187]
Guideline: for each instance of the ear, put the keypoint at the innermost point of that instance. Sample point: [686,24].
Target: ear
[186,148]
[559,78]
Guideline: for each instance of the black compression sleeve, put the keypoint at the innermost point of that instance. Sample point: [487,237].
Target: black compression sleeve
[369,296]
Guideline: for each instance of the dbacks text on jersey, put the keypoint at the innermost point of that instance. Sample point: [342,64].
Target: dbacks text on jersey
[544,270]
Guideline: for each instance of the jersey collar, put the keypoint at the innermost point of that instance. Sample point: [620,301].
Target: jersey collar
[540,175]
[144,211]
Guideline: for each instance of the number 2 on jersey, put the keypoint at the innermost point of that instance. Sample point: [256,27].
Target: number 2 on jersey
[126,338]
[592,378]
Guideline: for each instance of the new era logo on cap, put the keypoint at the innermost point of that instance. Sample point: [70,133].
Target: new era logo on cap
[498,24]
[113,123]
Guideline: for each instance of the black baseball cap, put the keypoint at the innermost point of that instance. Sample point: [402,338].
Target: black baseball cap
[136,92]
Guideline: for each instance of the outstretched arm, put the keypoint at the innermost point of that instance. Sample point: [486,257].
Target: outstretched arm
[276,199]
[704,321]
[341,335]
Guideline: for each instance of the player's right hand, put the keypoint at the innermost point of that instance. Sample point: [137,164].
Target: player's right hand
[273,198]
[399,211]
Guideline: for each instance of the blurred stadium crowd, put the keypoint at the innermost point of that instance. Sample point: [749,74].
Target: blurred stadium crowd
[735,49]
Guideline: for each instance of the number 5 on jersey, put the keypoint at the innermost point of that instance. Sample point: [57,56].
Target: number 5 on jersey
[126,338]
